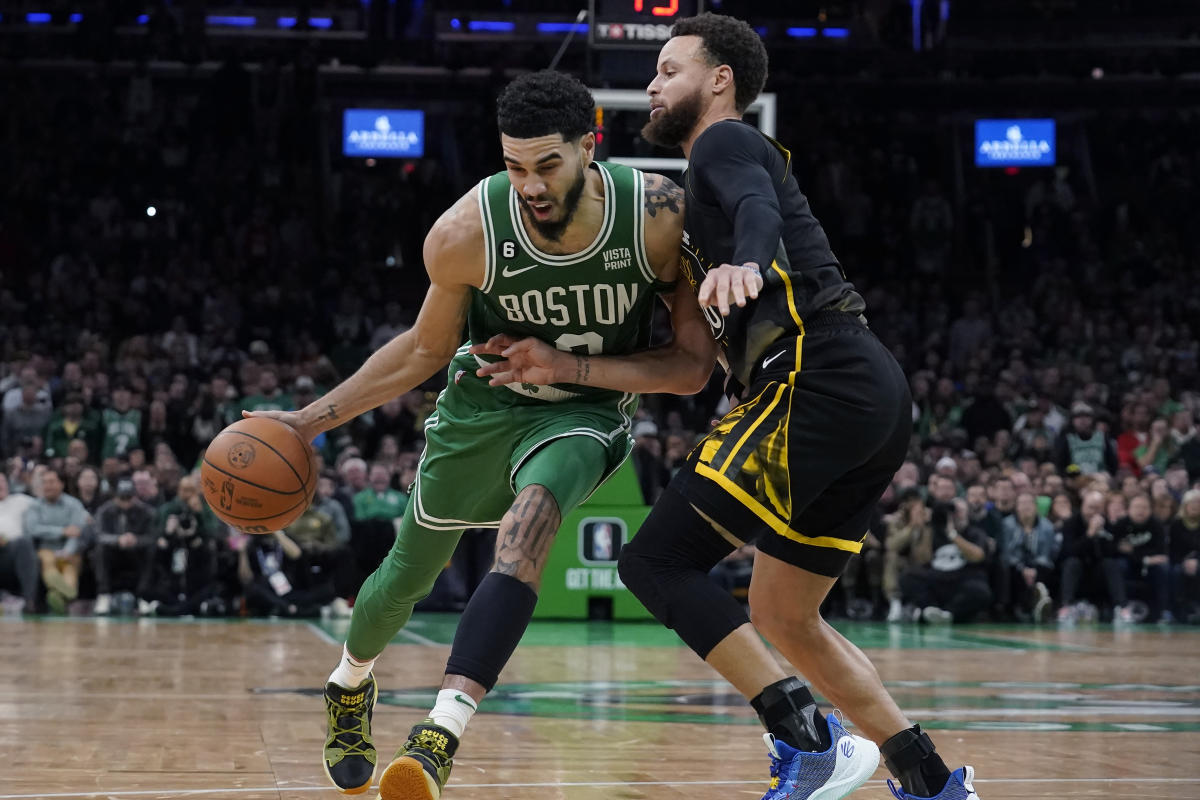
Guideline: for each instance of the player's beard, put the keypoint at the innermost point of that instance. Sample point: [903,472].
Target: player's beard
[674,125]
[553,230]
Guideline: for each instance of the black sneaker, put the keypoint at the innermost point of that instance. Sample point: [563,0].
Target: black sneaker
[349,752]
[422,766]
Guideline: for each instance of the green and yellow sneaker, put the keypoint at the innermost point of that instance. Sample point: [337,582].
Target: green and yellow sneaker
[422,766]
[349,752]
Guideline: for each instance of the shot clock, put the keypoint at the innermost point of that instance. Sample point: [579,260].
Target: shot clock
[637,24]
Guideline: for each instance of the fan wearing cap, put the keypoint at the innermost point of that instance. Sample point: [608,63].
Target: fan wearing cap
[122,549]
[1084,446]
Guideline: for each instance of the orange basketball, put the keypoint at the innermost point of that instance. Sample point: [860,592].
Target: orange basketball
[258,475]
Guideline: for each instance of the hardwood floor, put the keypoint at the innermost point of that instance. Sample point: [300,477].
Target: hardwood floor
[126,709]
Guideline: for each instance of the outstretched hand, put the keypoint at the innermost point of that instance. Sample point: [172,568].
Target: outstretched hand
[729,282]
[526,360]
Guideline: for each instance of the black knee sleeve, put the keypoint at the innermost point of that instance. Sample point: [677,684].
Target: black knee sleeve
[666,567]
[490,628]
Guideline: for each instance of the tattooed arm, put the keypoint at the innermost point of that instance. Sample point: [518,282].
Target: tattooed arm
[663,215]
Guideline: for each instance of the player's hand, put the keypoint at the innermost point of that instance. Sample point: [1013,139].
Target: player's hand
[528,360]
[290,418]
[72,531]
[729,282]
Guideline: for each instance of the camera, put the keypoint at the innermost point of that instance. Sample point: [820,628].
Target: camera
[940,516]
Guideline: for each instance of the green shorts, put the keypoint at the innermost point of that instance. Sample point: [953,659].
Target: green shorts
[480,436]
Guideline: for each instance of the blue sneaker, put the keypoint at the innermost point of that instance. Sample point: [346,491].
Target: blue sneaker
[849,762]
[957,788]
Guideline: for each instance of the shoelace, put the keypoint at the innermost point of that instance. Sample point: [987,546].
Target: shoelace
[355,728]
[776,768]
[897,791]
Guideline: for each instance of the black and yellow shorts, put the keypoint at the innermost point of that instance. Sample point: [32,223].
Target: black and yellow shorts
[799,466]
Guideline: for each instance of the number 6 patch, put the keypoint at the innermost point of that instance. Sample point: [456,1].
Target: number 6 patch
[508,248]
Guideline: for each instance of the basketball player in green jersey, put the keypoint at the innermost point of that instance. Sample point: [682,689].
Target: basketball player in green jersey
[561,248]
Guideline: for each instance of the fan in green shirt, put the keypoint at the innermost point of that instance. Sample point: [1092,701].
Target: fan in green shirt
[270,397]
[379,500]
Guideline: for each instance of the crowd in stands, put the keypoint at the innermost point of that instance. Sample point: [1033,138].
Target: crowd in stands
[1055,461]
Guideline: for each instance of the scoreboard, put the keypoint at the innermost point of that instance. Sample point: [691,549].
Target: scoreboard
[639,24]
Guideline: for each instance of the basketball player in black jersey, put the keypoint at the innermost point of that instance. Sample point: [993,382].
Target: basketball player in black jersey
[797,466]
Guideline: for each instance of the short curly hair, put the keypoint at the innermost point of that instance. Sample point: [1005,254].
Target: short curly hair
[546,102]
[733,42]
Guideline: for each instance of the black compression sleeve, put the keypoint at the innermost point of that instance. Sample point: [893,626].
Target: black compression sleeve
[730,160]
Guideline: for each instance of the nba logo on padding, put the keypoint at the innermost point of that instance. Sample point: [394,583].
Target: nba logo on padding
[601,539]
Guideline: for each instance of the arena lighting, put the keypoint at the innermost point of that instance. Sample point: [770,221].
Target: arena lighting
[802,33]
[491,26]
[324,23]
[151,211]
[561,27]
[227,21]
[37,17]
[836,33]
[143,19]
[456,23]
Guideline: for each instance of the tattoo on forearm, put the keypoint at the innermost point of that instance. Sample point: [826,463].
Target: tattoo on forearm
[331,413]
[583,369]
[522,548]
[662,193]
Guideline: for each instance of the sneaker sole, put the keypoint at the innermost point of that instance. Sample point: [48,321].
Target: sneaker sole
[406,779]
[866,761]
[365,786]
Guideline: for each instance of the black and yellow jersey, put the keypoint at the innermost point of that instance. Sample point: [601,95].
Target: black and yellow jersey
[744,204]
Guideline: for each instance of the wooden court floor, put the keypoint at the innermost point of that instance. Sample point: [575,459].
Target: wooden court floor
[129,710]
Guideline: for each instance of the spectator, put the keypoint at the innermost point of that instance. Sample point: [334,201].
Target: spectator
[121,425]
[952,586]
[653,475]
[25,423]
[70,424]
[1003,494]
[1185,558]
[124,538]
[354,480]
[1158,450]
[184,557]
[87,490]
[1083,445]
[909,541]
[18,559]
[146,486]
[1028,554]
[271,568]
[1142,541]
[327,504]
[54,523]
[379,501]
[1089,553]
[1183,434]
[270,397]
[1134,436]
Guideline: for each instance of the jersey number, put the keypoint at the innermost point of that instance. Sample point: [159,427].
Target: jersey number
[590,343]
[508,248]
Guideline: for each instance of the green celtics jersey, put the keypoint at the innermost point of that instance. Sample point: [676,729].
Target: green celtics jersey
[122,432]
[598,300]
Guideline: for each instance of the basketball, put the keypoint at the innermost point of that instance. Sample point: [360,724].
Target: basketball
[258,475]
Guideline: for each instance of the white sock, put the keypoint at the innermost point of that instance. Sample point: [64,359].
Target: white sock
[453,710]
[350,672]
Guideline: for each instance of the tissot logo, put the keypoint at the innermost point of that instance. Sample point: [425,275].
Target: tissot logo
[633,32]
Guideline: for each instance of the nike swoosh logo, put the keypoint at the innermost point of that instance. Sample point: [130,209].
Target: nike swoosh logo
[464,701]
[769,360]
[508,273]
